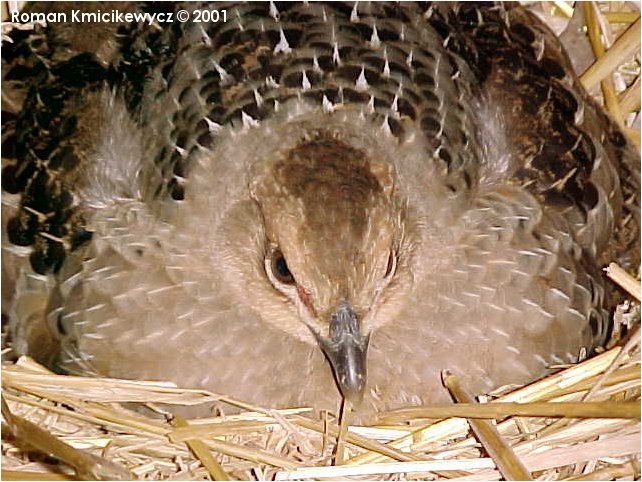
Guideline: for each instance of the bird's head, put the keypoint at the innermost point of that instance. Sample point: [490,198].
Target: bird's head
[332,233]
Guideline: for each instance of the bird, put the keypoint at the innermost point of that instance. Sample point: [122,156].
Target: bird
[298,203]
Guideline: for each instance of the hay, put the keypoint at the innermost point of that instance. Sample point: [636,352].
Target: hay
[285,445]
[581,423]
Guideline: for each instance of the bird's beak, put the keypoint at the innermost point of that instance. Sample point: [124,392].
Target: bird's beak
[346,350]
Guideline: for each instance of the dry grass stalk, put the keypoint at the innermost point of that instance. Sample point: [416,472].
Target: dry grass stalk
[608,473]
[633,342]
[257,456]
[25,475]
[201,452]
[507,462]
[626,45]
[608,89]
[633,135]
[48,384]
[340,451]
[306,473]
[622,17]
[359,441]
[86,465]
[630,98]
[501,410]
[564,8]
[624,279]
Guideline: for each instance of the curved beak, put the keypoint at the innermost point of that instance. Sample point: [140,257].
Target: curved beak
[346,350]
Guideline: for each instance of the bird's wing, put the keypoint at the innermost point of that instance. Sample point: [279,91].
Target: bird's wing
[52,76]
[541,129]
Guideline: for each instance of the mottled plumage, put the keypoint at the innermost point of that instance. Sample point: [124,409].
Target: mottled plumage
[232,205]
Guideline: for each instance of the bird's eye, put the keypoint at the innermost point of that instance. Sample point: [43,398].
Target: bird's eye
[280,268]
[392,264]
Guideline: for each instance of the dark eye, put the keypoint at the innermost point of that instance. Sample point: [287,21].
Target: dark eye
[280,268]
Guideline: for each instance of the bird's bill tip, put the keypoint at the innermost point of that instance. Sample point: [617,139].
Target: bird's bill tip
[346,350]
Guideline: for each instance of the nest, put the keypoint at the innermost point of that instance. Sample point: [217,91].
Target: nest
[581,423]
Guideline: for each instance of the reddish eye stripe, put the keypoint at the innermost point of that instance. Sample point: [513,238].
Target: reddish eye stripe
[304,296]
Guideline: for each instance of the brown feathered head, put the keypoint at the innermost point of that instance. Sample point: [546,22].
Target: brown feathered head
[332,228]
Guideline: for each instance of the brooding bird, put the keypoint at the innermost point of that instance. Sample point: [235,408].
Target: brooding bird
[303,201]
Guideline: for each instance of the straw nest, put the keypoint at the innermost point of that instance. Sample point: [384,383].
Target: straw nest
[581,423]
